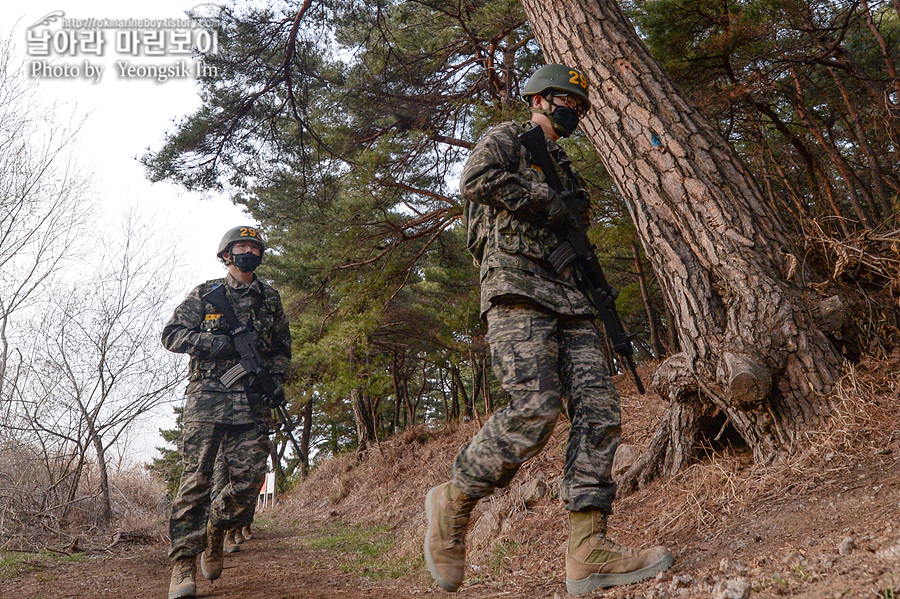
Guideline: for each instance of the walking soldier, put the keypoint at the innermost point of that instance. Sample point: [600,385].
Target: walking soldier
[218,418]
[545,349]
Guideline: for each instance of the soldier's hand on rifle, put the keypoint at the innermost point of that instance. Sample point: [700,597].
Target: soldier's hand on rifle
[608,296]
[221,347]
[558,212]
[277,398]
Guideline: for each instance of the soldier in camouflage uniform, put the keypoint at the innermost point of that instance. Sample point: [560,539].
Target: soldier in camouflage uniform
[545,350]
[232,420]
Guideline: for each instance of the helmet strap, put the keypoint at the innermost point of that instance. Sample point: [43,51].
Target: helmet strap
[537,110]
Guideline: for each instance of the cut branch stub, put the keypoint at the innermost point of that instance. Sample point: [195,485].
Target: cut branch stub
[674,380]
[749,381]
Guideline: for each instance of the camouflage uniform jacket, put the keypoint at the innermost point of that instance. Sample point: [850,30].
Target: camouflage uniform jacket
[508,232]
[191,330]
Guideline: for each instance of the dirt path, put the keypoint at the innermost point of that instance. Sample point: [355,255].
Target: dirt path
[275,564]
[825,525]
[786,548]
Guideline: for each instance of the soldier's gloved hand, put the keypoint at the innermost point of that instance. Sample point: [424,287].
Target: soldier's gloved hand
[558,212]
[277,398]
[221,347]
[609,296]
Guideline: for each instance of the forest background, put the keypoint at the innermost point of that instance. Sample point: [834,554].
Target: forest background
[341,127]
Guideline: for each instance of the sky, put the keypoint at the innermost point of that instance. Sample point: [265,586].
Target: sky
[125,112]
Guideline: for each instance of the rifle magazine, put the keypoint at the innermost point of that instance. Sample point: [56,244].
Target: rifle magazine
[562,256]
[233,375]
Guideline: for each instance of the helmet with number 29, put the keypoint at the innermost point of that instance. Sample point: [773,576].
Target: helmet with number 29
[560,78]
[240,234]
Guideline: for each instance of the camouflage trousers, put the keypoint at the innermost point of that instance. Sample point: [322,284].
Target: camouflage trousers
[539,359]
[245,450]
[220,481]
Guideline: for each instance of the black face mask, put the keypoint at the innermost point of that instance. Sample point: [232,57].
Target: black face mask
[246,262]
[564,120]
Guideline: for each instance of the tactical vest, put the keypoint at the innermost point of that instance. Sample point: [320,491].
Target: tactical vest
[491,228]
[261,318]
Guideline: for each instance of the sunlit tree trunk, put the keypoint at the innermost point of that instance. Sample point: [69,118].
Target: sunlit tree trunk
[752,358]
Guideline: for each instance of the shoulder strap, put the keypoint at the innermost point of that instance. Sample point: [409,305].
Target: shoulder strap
[205,288]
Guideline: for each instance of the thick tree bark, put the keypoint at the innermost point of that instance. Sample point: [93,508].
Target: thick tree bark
[750,350]
[652,319]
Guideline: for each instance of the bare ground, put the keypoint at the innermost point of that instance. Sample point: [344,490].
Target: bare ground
[824,524]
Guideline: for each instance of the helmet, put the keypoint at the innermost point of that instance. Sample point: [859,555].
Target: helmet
[558,77]
[239,234]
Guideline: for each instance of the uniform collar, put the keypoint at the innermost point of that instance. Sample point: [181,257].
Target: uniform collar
[254,285]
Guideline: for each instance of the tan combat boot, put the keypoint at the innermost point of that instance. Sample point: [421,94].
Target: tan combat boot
[594,561]
[447,511]
[231,542]
[246,533]
[212,560]
[183,585]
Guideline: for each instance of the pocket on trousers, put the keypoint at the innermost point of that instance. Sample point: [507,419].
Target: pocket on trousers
[505,328]
[513,353]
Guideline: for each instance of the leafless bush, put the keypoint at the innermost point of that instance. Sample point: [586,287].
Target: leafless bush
[39,508]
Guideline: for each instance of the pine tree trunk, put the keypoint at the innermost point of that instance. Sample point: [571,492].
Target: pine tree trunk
[276,453]
[750,350]
[456,387]
[479,361]
[364,416]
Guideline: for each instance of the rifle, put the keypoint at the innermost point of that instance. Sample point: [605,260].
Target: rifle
[577,249]
[246,343]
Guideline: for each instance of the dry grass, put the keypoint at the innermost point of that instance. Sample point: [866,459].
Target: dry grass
[873,252]
[388,487]
[865,268]
[863,423]
[140,506]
